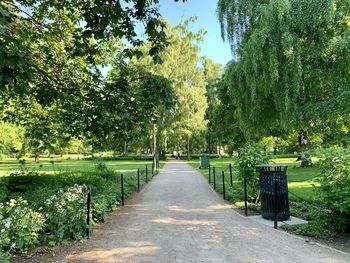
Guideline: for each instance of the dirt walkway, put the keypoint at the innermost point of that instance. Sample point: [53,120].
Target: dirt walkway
[178,218]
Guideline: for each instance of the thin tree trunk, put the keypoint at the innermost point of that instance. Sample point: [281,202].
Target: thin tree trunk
[210,141]
[304,147]
[155,148]
[36,157]
[125,148]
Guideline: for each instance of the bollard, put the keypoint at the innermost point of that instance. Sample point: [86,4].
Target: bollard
[122,185]
[223,185]
[275,204]
[209,174]
[231,180]
[214,177]
[146,174]
[138,179]
[245,197]
[88,209]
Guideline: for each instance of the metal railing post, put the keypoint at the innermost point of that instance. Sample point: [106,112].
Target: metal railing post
[223,185]
[122,186]
[138,179]
[214,177]
[245,197]
[275,204]
[209,174]
[88,210]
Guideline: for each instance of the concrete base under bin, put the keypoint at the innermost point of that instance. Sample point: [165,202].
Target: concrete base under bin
[292,221]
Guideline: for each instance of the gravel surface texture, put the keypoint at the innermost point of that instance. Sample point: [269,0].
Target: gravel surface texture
[177,217]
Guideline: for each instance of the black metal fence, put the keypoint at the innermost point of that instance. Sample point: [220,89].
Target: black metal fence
[142,177]
[227,188]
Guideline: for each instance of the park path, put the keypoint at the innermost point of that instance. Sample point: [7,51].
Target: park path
[177,217]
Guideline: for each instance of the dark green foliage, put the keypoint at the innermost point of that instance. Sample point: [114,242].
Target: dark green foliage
[51,53]
[248,158]
[3,189]
[322,222]
[64,192]
[288,74]
[335,182]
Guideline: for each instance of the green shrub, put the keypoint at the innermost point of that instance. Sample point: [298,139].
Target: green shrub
[61,200]
[331,151]
[249,157]
[3,189]
[335,183]
[36,189]
[101,167]
[65,214]
[325,225]
[322,222]
[19,226]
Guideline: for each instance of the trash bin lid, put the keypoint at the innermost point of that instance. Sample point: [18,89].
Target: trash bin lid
[272,167]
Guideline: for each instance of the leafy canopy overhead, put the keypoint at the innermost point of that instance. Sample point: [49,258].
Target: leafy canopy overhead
[291,70]
[51,50]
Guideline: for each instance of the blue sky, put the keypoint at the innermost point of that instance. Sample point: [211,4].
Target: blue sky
[213,46]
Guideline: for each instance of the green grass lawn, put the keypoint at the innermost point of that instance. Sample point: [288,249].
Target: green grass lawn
[300,179]
[55,165]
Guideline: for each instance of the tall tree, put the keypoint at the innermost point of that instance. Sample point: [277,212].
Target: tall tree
[211,73]
[288,65]
[50,58]
[180,65]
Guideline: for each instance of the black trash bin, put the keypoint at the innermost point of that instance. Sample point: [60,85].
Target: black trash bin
[269,173]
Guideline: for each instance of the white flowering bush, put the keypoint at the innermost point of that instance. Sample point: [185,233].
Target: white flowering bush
[20,226]
[65,214]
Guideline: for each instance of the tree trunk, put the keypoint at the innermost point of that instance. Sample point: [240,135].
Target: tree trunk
[209,140]
[304,148]
[155,148]
[125,148]
[36,157]
[92,153]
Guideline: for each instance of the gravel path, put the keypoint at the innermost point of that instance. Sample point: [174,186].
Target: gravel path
[178,218]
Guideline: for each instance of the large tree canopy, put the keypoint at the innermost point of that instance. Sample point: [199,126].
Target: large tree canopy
[51,51]
[291,69]
[51,54]
[181,66]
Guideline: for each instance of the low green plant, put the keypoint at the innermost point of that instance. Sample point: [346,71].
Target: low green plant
[101,167]
[20,226]
[322,222]
[248,158]
[65,214]
[3,189]
[335,183]
[60,200]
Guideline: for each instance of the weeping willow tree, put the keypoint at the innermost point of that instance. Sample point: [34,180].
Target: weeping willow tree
[290,70]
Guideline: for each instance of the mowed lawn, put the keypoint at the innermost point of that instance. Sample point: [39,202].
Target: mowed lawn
[301,180]
[64,164]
